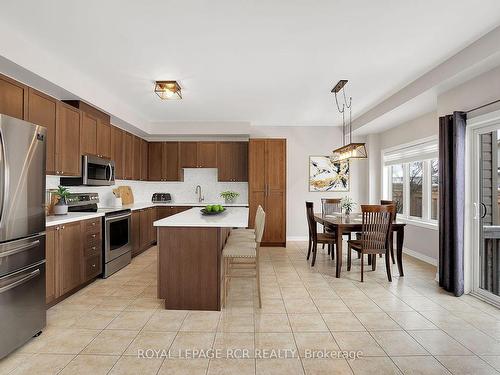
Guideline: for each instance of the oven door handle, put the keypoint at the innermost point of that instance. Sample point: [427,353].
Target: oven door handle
[119,217]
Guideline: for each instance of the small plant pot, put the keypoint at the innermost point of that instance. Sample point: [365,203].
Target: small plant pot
[229,200]
[60,209]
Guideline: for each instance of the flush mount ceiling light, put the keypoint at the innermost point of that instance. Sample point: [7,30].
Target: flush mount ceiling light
[168,90]
[349,149]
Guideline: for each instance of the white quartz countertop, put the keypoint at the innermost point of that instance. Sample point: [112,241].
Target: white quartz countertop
[77,216]
[233,217]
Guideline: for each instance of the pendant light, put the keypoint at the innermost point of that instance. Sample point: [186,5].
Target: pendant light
[350,149]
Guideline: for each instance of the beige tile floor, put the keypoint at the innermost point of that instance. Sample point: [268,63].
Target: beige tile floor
[408,326]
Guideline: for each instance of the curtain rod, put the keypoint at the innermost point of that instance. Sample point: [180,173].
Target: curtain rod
[482,106]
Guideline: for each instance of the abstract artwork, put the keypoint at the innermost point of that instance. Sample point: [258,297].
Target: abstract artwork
[326,174]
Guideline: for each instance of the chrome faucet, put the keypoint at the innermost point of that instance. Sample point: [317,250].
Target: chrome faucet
[198,191]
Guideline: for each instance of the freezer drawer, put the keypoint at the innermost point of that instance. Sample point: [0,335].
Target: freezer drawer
[15,255]
[22,306]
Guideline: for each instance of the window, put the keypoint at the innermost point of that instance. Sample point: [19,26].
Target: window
[411,179]
[416,177]
[397,186]
[434,189]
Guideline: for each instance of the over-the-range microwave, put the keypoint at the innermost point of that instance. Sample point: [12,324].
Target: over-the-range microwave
[96,171]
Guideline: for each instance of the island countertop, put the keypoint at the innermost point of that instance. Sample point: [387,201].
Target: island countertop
[233,217]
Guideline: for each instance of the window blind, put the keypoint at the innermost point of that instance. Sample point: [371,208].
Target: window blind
[424,150]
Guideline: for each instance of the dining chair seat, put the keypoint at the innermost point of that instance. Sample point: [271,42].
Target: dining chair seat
[326,238]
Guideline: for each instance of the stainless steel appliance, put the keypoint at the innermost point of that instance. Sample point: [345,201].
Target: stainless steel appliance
[96,171]
[22,232]
[161,198]
[82,202]
[117,245]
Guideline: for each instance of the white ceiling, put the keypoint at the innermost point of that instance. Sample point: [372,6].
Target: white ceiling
[264,62]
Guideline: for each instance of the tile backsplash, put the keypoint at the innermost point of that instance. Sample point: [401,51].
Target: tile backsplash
[182,192]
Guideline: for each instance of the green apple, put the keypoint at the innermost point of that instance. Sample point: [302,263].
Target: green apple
[208,208]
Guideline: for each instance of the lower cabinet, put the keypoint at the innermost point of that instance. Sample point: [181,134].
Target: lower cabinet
[73,256]
[143,233]
[166,211]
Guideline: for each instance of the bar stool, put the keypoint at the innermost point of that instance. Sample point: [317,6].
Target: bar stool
[242,253]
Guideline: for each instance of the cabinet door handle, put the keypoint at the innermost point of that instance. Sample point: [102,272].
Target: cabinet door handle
[62,227]
[93,236]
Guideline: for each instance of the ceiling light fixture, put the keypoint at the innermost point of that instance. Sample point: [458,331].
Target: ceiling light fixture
[349,150]
[168,90]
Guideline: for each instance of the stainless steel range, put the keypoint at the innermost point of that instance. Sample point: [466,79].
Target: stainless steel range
[116,245]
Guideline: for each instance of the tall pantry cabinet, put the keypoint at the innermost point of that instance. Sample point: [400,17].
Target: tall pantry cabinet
[267,187]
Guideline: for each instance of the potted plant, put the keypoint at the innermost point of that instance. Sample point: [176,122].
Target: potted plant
[347,204]
[61,207]
[229,196]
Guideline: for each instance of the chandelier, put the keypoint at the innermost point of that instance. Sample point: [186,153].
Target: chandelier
[349,149]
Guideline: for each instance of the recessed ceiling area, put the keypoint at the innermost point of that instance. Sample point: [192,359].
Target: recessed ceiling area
[262,63]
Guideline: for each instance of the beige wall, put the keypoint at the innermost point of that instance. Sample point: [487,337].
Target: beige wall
[301,143]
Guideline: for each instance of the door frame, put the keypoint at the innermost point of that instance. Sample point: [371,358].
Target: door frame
[475,127]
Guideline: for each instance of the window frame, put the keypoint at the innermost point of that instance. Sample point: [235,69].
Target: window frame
[426,220]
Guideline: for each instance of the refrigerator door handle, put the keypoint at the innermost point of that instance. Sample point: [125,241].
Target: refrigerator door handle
[5,178]
[20,249]
[20,281]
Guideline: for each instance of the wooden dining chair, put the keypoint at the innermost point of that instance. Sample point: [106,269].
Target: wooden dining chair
[375,232]
[316,238]
[384,202]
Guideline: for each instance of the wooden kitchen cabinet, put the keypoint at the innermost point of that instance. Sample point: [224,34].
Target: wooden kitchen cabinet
[170,167]
[144,160]
[135,224]
[188,154]
[51,248]
[136,158]
[73,254]
[206,154]
[152,230]
[163,161]
[128,148]
[267,187]
[42,110]
[103,139]
[232,161]
[145,231]
[69,256]
[13,98]
[198,154]
[88,135]
[155,161]
[68,161]
[117,154]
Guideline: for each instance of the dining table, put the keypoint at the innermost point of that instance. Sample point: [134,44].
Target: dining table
[341,224]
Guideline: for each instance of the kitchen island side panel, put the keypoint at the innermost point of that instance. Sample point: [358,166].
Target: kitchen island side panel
[189,267]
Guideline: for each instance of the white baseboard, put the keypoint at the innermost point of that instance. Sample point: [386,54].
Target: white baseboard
[297,238]
[420,256]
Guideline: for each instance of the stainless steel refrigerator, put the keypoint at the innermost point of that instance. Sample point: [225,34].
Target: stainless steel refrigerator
[22,232]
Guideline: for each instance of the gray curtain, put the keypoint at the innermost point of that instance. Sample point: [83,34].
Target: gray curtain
[451,202]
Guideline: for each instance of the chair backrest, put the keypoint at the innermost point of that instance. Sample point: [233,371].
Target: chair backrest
[313,229]
[376,226]
[330,206]
[260,223]
[384,202]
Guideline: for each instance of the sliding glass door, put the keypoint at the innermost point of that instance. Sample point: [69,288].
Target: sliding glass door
[485,166]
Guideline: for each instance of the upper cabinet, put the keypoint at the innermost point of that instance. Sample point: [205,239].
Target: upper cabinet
[207,154]
[128,149]
[68,156]
[88,135]
[103,140]
[198,154]
[232,161]
[63,132]
[42,111]
[144,160]
[163,162]
[13,98]
[117,154]
[136,152]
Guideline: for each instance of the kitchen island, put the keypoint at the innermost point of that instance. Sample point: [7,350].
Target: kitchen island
[190,257]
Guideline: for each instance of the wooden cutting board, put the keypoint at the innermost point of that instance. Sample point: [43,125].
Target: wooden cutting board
[126,194]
